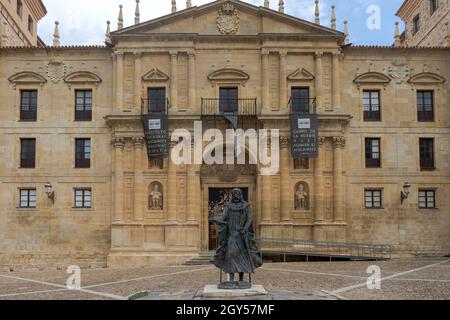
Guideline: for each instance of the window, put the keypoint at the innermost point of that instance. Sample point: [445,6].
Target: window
[434,6]
[157,100]
[373,199]
[373,153]
[27,153]
[371,104]
[416,23]
[425,106]
[19,8]
[82,153]
[27,198]
[427,154]
[228,100]
[427,199]
[83,105]
[30,24]
[28,105]
[300,100]
[83,198]
[301,164]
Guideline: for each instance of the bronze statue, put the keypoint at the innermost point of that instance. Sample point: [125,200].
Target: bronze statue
[237,252]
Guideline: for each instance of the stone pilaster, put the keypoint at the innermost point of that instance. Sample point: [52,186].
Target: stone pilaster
[193,191]
[265,80]
[192,96]
[338,180]
[336,81]
[319,210]
[266,201]
[119,145]
[285,185]
[119,80]
[319,80]
[174,79]
[283,80]
[137,79]
[171,189]
[139,187]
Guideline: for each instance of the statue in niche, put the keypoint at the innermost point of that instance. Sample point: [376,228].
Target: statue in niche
[302,196]
[156,197]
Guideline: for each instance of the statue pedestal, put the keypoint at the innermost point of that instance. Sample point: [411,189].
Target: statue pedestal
[213,292]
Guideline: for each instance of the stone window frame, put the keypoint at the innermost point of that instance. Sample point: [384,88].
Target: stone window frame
[380,105]
[435,196]
[75,189]
[434,6]
[382,198]
[90,152]
[20,189]
[380,145]
[435,159]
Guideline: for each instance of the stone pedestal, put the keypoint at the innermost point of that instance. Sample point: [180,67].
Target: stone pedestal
[213,292]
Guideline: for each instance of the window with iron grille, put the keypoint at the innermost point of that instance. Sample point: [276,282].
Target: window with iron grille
[228,100]
[427,154]
[434,6]
[300,100]
[371,105]
[157,100]
[427,199]
[416,24]
[82,153]
[373,199]
[83,198]
[27,198]
[28,105]
[373,153]
[425,106]
[83,105]
[27,153]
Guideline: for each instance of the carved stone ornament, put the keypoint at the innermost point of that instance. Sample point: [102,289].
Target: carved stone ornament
[56,71]
[228,173]
[228,20]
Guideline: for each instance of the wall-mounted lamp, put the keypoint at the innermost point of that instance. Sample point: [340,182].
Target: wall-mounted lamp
[50,192]
[405,192]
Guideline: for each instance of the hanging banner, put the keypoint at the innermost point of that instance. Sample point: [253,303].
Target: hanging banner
[305,136]
[156,131]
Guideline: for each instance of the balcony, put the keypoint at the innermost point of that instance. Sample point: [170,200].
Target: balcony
[302,105]
[228,107]
[155,105]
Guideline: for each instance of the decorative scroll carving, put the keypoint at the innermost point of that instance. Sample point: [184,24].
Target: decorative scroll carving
[284,142]
[118,143]
[156,196]
[56,71]
[339,142]
[228,20]
[302,197]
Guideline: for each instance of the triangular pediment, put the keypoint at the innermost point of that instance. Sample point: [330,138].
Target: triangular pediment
[227,17]
[155,75]
[427,78]
[27,77]
[301,74]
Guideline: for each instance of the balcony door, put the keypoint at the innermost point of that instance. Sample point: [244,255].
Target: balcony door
[228,100]
[300,100]
[156,100]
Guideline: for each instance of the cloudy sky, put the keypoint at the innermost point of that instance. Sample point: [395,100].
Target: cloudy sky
[83,22]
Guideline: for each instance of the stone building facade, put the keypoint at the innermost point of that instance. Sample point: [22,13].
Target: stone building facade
[427,23]
[18,22]
[77,184]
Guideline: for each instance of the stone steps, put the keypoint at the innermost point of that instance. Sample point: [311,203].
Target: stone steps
[203,259]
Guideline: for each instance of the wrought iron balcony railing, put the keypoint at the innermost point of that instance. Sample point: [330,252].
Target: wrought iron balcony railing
[236,107]
[302,105]
[155,105]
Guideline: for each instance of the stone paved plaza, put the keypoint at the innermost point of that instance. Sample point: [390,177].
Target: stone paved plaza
[425,278]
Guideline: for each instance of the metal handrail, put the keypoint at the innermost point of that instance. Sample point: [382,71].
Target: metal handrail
[310,102]
[145,105]
[245,107]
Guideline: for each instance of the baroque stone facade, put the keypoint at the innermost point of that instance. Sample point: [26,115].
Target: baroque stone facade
[140,212]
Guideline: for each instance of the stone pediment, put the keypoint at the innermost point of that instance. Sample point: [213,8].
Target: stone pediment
[372,78]
[426,78]
[227,17]
[301,74]
[155,75]
[82,77]
[27,77]
[228,75]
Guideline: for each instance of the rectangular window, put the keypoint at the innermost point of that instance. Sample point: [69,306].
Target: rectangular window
[371,104]
[425,106]
[301,164]
[373,153]
[28,105]
[416,23]
[82,153]
[157,100]
[19,8]
[27,153]
[27,198]
[83,105]
[373,199]
[228,100]
[300,100]
[427,154]
[434,6]
[427,199]
[83,198]
[30,24]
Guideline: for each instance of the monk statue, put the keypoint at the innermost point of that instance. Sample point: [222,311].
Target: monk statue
[237,252]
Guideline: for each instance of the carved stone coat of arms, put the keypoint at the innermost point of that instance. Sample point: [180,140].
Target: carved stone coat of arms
[228,19]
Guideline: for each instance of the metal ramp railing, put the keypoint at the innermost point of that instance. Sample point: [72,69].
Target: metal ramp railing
[323,249]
